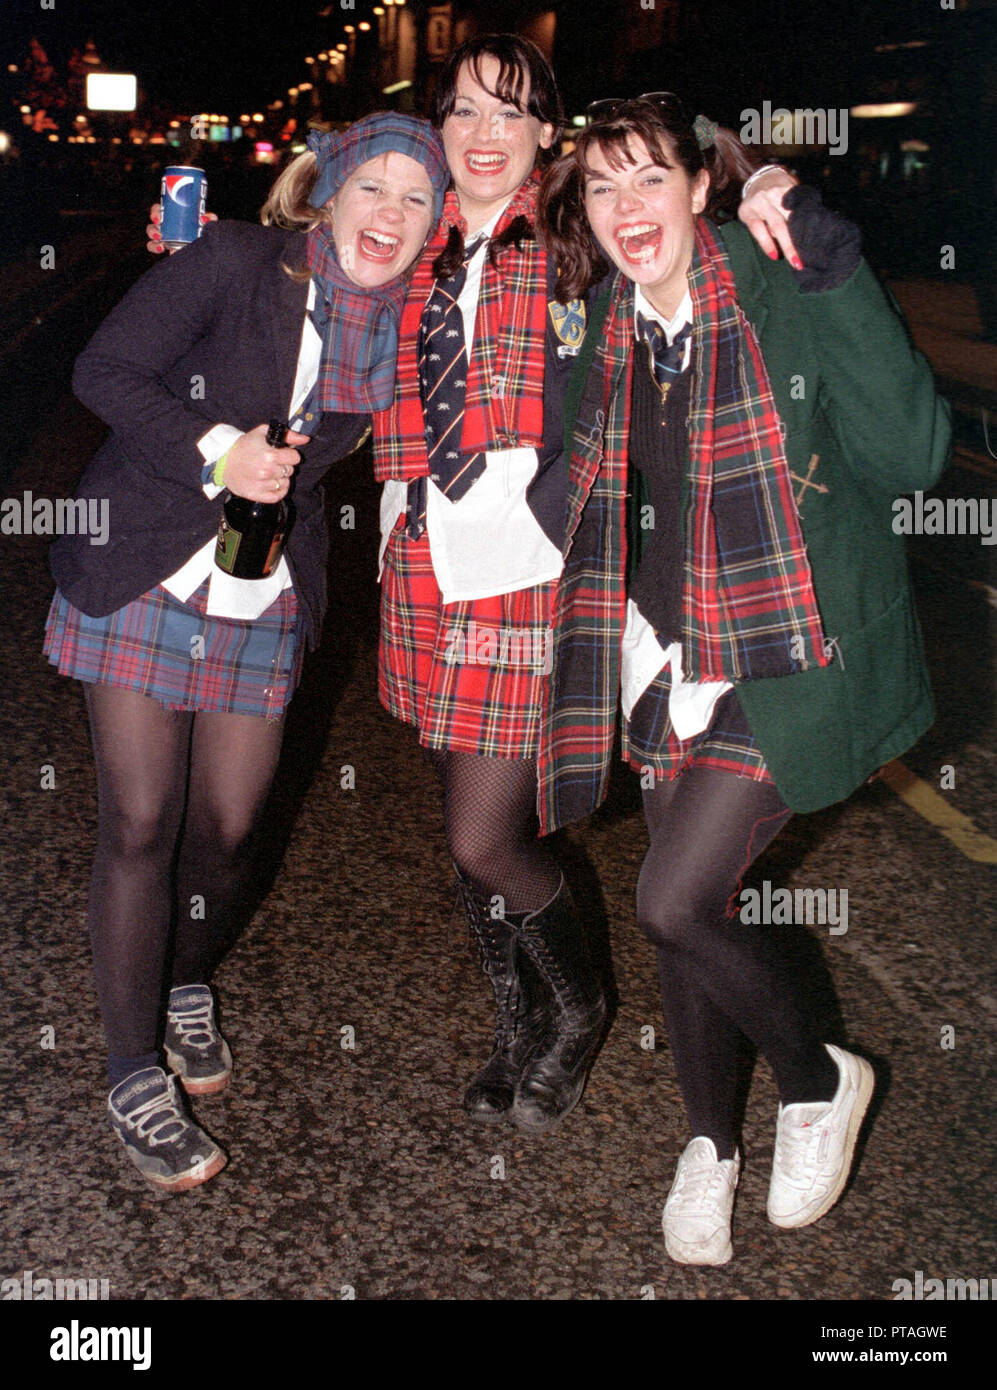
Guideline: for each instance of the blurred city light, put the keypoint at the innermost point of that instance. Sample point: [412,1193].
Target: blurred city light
[111,91]
[884,108]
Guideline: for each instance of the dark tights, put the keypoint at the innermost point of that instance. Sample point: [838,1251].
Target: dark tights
[490,811]
[723,982]
[178,798]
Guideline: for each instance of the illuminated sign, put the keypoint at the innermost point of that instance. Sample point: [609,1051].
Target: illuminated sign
[111,91]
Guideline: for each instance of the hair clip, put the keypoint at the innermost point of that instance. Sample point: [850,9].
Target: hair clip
[705,132]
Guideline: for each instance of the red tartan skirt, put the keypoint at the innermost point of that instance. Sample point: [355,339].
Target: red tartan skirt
[468,675]
[178,655]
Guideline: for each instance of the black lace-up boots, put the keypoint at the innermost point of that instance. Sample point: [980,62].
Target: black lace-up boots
[553,1079]
[519,1026]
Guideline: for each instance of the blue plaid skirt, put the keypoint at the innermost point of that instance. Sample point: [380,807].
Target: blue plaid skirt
[728,745]
[176,654]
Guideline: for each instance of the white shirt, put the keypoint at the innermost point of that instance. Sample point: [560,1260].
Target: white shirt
[488,542]
[690,703]
[229,597]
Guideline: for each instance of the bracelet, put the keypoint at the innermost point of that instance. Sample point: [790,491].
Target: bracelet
[765,169]
[218,473]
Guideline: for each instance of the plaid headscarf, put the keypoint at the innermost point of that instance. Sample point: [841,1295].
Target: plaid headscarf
[359,326]
[749,608]
[504,397]
[338,153]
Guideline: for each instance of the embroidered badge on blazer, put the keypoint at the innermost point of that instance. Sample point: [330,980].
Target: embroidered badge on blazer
[568,321]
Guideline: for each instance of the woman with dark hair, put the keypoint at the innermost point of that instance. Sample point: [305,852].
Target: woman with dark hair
[472,515]
[756,624]
[472,521]
[187,670]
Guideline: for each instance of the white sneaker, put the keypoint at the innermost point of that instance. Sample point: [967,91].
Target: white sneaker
[697,1214]
[814,1144]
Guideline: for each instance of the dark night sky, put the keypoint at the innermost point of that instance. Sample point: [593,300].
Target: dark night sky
[207,54]
[186,53]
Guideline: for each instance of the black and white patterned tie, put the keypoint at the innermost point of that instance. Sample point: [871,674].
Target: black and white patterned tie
[443,383]
[664,359]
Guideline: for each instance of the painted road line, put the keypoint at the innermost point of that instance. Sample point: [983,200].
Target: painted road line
[937,812]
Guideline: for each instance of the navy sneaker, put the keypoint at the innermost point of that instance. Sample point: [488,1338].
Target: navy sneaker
[160,1138]
[195,1049]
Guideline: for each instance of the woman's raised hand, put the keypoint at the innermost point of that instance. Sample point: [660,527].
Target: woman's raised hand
[256,470]
[154,237]
[765,217]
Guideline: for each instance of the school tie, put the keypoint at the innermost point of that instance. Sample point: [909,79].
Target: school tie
[664,360]
[443,384]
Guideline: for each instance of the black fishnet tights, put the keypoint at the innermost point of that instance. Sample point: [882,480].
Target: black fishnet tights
[723,982]
[179,796]
[490,811]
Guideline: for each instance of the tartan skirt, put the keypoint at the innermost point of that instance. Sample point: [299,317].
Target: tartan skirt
[468,675]
[176,654]
[728,745]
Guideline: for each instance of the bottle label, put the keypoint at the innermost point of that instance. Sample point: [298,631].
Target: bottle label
[227,546]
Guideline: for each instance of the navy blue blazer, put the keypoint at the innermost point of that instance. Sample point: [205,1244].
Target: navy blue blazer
[209,336]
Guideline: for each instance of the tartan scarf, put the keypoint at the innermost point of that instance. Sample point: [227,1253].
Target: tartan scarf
[749,608]
[359,333]
[503,405]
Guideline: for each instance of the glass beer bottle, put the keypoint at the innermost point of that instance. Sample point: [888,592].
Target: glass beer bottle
[251,534]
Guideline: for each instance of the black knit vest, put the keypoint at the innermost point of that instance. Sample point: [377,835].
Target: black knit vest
[659,446]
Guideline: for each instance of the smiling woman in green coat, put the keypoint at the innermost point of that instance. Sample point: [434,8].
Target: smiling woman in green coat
[733,583]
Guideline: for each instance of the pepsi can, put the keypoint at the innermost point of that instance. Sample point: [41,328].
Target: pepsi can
[183,194]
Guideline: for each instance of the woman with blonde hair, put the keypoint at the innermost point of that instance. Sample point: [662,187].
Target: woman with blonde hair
[187,671]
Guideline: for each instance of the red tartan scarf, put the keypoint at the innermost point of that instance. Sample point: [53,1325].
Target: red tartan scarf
[749,607]
[504,399]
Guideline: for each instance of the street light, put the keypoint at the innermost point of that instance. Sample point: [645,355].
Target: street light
[884,108]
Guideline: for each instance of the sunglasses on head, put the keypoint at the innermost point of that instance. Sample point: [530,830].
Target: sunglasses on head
[608,106]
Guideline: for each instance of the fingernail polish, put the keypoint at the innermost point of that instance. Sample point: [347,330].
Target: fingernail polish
[773,255]
[797,263]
